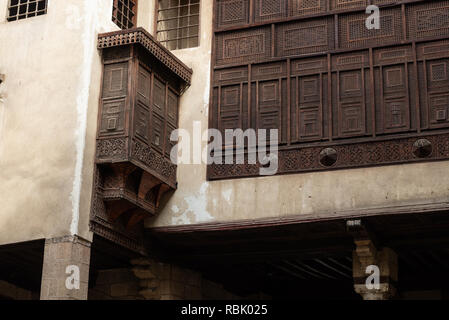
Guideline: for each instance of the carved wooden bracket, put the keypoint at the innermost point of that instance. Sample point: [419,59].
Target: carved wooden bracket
[131,192]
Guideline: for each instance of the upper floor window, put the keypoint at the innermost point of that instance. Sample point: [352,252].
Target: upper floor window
[22,9]
[178,23]
[124,13]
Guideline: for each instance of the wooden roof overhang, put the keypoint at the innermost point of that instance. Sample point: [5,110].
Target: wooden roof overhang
[278,256]
[301,236]
[152,47]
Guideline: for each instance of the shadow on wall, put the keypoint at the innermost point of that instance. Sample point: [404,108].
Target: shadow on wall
[2,79]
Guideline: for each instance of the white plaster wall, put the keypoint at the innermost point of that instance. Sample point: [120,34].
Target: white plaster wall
[325,193]
[145,14]
[48,118]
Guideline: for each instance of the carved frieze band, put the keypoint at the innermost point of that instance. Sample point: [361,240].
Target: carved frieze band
[141,36]
[135,245]
[154,161]
[431,148]
[112,150]
[115,150]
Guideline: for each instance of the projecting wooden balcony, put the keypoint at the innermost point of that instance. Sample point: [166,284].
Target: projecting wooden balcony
[142,83]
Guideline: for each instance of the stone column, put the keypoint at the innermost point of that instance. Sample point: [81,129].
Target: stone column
[385,260]
[162,281]
[65,273]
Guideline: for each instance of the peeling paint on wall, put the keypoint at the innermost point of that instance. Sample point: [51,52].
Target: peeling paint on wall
[196,208]
[207,94]
[175,209]
[2,107]
[227,195]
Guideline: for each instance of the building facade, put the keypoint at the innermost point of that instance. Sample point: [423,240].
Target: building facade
[94,207]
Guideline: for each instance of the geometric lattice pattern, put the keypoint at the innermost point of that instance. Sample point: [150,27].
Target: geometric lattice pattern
[313,70]
[124,13]
[178,23]
[22,9]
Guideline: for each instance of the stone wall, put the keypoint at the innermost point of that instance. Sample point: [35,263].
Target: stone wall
[155,281]
[115,284]
[163,281]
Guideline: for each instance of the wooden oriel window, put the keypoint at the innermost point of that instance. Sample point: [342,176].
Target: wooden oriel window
[124,13]
[22,9]
[178,23]
[138,111]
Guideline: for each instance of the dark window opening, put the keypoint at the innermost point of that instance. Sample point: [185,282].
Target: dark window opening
[124,13]
[178,23]
[22,9]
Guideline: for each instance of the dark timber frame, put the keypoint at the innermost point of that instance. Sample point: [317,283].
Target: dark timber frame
[387,101]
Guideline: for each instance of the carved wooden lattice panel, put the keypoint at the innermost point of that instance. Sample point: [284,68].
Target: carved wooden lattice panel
[312,69]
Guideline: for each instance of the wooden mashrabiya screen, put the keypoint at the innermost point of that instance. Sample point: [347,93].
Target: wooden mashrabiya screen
[341,95]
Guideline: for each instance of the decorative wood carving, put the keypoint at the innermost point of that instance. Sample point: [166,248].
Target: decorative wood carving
[314,71]
[142,83]
[348,155]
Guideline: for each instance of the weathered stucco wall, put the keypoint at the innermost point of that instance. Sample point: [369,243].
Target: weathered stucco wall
[145,15]
[48,118]
[325,193]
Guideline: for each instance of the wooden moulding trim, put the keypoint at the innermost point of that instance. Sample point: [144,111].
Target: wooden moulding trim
[156,49]
[111,196]
[337,51]
[117,237]
[353,154]
[306,218]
